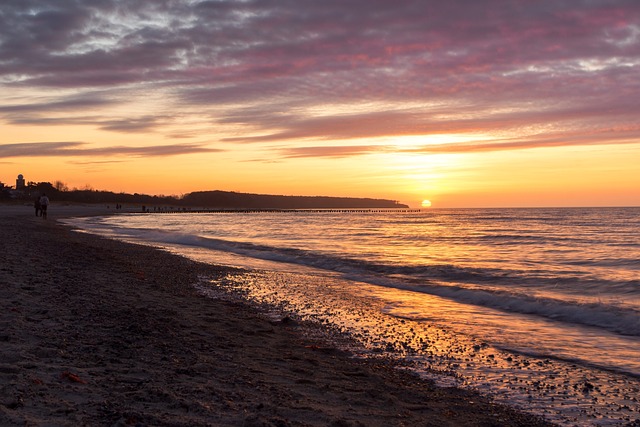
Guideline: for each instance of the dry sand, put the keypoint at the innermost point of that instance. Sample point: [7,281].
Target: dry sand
[99,333]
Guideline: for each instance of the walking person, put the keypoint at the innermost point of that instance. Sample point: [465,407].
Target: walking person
[44,204]
[36,204]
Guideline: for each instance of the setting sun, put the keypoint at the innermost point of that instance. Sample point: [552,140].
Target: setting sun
[426,203]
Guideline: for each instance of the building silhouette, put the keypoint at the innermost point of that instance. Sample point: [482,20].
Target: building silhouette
[20,184]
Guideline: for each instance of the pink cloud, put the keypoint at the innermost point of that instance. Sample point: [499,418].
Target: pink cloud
[331,151]
[574,64]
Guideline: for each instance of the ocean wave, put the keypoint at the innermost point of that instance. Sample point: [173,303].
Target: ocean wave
[624,321]
[461,284]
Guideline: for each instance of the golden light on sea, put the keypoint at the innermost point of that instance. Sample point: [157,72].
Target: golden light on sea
[426,203]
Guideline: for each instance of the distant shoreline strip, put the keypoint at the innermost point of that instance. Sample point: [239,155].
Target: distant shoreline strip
[328,210]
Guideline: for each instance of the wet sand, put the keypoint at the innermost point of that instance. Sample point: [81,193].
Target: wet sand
[98,332]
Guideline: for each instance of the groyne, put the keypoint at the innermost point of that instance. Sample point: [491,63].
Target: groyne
[157,210]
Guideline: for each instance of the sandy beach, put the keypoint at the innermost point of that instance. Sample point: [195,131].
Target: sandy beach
[100,333]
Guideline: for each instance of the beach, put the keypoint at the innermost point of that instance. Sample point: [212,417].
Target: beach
[100,332]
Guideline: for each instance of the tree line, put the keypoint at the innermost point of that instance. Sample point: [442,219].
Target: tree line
[206,199]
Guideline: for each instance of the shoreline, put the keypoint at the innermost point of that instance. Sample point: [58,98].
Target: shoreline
[101,332]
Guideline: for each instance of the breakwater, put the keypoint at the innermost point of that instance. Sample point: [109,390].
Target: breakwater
[171,210]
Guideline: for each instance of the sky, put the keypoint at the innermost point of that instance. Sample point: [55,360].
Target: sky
[466,103]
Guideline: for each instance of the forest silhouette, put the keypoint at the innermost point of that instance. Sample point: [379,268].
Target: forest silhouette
[206,199]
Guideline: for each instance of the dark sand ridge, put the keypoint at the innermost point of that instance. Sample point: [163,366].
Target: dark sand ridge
[99,332]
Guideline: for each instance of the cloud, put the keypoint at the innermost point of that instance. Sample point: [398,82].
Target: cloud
[96,162]
[468,119]
[232,43]
[72,110]
[81,149]
[140,124]
[602,137]
[287,70]
[71,103]
[544,140]
[331,151]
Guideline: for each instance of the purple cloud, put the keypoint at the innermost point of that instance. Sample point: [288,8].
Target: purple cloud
[423,67]
[81,149]
[73,103]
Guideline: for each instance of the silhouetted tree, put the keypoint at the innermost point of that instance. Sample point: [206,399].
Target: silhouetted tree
[60,186]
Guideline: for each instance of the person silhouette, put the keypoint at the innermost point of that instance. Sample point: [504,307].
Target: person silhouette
[44,204]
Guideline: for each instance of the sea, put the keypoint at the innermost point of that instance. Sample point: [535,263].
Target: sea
[536,308]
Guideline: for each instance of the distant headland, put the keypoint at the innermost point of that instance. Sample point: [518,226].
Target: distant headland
[205,199]
[222,199]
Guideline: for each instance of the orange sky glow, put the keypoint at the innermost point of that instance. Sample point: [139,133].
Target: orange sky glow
[464,104]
